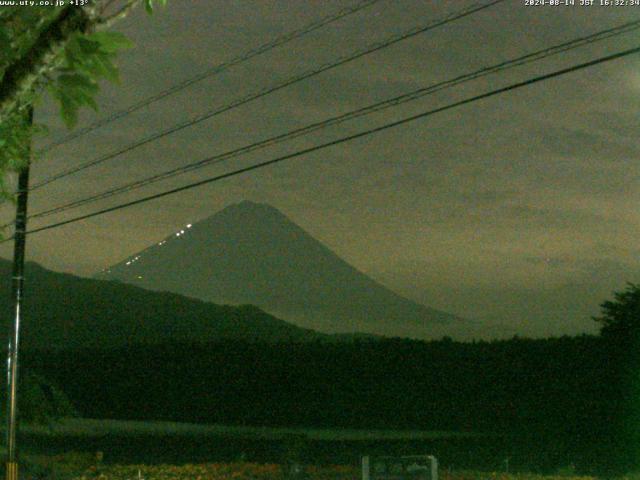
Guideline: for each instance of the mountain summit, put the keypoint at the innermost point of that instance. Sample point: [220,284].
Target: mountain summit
[251,253]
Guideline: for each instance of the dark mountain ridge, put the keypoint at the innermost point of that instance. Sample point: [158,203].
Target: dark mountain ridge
[63,310]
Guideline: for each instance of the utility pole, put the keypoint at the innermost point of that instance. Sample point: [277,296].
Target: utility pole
[17,284]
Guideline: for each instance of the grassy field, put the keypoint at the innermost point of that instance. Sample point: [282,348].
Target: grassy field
[154,444]
[97,428]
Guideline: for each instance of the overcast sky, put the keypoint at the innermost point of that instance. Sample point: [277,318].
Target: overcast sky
[521,210]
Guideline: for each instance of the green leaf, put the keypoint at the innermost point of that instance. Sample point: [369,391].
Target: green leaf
[111,42]
[78,82]
[72,52]
[148,6]
[88,46]
[73,91]
[108,69]
[69,111]
[100,65]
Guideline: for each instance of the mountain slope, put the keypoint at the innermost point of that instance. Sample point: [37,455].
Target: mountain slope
[252,253]
[63,310]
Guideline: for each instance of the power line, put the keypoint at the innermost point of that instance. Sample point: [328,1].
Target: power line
[376,107]
[261,93]
[264,48]
[341,140]
[264,92]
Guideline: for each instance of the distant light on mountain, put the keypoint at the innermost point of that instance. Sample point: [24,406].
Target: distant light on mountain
[251,253]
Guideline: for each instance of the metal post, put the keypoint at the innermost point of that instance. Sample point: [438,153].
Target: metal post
[17,292]
[366,473]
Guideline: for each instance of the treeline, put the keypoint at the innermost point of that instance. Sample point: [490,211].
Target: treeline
[570,393]
[559,385]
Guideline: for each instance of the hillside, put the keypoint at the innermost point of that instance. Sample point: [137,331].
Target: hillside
[63,310]
[252,253]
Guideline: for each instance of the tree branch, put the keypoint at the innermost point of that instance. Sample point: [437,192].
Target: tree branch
[106,22]
[24,74]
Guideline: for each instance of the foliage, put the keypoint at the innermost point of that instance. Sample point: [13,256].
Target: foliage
[558,391]
[620,318]
[60,50]
[20,28]
[41,402]
[149,4]
[15,136]
[87,58]
[554,387]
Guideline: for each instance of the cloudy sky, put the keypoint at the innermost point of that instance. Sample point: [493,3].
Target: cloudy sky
[521,211]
